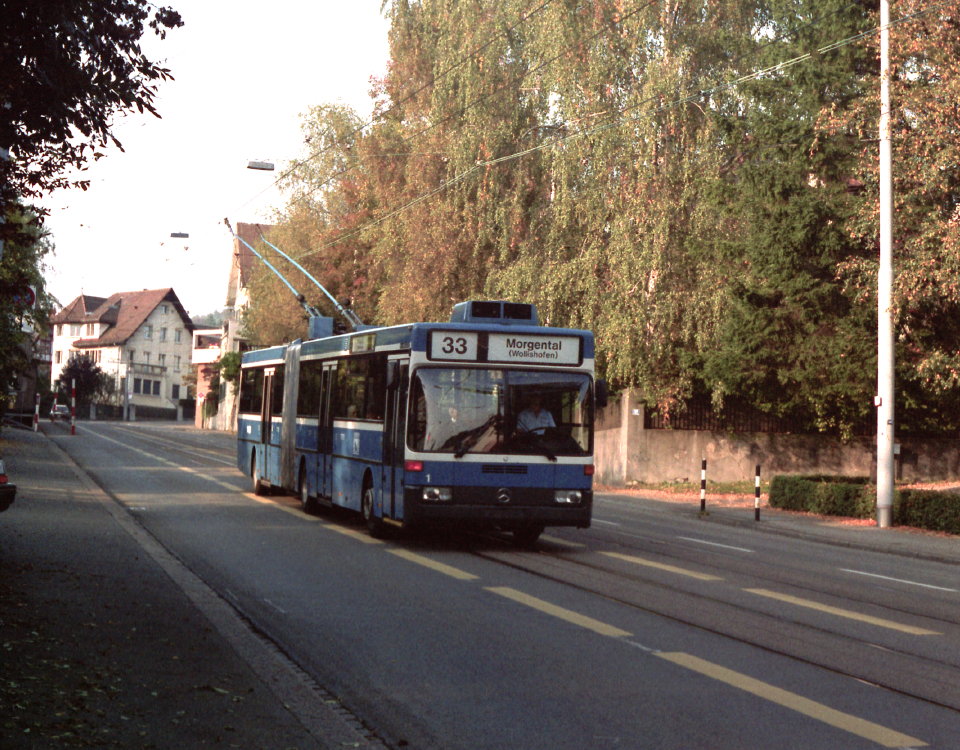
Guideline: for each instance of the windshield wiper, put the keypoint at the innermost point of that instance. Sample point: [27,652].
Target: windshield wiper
[538,441]
[471,437]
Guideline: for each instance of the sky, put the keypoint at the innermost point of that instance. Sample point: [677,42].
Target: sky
[244,73]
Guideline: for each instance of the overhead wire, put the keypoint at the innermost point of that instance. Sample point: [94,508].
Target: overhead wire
[462,110]
[618,122]
[433,79]
[546,63]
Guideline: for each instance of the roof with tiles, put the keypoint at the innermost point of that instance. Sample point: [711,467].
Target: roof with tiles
[123,313]
[81,310]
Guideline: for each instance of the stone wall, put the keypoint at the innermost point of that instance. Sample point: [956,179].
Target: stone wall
[626,452]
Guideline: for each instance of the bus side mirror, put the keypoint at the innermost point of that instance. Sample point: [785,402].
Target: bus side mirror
[600,390]
[393,374]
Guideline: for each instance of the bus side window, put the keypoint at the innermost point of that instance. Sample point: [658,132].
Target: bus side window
[376,386]
[308,393]
[251,391]
[350,388]
[276,401]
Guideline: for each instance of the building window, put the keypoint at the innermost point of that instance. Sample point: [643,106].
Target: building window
[74,329]
[146,358]
[156,387]
[58,357]
[163,309]
[176,335]
[136,385]
[175,392]
[163,334]
[60,330]
[162,360]
[176,362]
[90,328]
[148,331]
[131,353]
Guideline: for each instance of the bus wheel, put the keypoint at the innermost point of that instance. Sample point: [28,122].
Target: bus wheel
[255,481]
[306,502]
[526,536]
[374,525]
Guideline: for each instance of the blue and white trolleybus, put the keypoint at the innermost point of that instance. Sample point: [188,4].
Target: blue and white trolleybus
[486,420]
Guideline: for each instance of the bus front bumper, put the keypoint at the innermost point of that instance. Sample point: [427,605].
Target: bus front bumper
[502,507]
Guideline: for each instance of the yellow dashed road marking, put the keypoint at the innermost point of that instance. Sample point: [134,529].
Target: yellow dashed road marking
[850,615]
[846,722]
[564,614]
[449,570]
[359,536]
[561,542]
[663,566]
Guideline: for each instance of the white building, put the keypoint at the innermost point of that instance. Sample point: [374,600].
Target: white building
[143,340]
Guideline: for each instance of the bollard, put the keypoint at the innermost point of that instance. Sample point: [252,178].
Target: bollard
[703,485]
[73,406]
[36,413]
[756,496]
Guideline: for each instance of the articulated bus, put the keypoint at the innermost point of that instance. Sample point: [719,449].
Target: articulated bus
[486,420]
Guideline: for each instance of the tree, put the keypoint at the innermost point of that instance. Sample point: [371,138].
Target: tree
[792,341]
[92,383]
[925,133]
[66,68]
[21,280]
[694,181]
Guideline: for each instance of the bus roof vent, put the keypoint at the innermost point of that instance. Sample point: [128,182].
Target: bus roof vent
[505,313]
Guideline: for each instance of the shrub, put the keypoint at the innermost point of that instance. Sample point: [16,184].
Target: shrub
[928,509]
[829,495]
[854,497]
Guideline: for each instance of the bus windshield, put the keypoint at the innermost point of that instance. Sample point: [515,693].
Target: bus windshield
[465,410]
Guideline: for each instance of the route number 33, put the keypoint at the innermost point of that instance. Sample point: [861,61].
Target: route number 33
[453,345]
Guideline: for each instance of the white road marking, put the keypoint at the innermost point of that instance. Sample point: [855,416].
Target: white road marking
[898,580]
[713,544]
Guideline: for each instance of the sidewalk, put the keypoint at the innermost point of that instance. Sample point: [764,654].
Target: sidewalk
[99,647]
[843,532]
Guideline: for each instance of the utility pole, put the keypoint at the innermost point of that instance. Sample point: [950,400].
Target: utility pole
[885,353]
[5,156]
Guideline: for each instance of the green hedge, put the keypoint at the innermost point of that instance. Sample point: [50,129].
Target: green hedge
[927,509]
[855,497]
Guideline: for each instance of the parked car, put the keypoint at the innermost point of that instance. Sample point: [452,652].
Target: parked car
[60,411]
[7,491]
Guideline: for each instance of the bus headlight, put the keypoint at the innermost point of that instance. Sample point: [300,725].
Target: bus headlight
[568,497]
[437,494]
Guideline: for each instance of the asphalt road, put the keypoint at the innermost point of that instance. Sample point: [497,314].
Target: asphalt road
[649,630]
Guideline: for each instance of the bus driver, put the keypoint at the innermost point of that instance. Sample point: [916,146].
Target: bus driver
[534,418]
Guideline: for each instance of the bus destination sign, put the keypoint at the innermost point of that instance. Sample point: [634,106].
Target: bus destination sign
[508,348]
[533,350]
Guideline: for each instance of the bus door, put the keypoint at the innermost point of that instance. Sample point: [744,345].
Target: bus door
[266,410]
[394,432]
[325,436]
